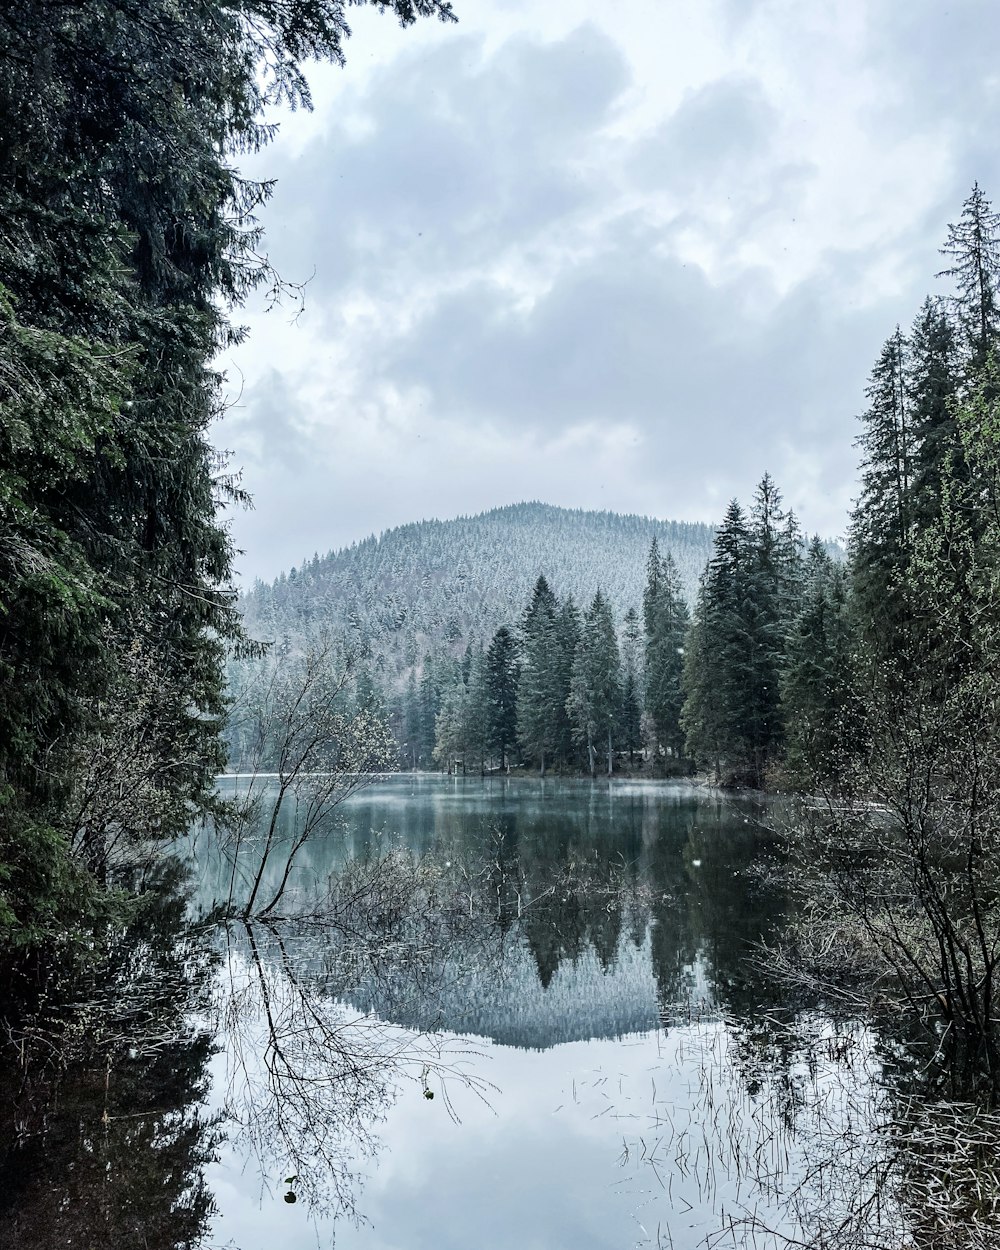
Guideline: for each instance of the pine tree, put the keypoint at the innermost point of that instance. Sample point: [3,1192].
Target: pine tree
[632,694]
[931,388]
[477,721]
[568,627]
[973,247]
[537,690]
[717,673]
[816,684]
[768,614]
[502,673]
[126,236]
[595,689]
[667,620]
[411,723]
[430,696]
[882,523]
[732,711]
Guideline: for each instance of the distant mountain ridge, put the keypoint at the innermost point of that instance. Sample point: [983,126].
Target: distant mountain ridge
[450,582]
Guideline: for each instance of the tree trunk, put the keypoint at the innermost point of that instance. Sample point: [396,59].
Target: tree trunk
[611,758]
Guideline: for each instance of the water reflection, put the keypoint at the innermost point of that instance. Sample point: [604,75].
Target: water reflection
[618,906]
[503,1015]
[104,1136]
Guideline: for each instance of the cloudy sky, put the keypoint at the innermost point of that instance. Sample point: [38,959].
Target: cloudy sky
[624,255]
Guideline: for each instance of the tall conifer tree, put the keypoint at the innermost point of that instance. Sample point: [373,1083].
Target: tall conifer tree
[538,685]
[595,693]
[502,671]
[881,538]
[667,620]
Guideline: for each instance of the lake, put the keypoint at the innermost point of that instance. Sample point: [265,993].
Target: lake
[492,1014]
[555,1028]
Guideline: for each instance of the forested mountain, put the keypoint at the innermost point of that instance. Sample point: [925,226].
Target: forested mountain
[435,582]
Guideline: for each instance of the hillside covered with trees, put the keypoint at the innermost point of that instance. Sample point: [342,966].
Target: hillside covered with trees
[532,635]
[456,581]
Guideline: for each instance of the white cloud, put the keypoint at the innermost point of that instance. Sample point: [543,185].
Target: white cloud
[621,258]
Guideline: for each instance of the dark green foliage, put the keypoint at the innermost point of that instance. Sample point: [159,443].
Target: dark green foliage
[429,700]
[667,621]
[973,248]
[568,633]
[539,715]
[719,656]
[630,727]
[737,646]
[932,382]
[125,233]
[881,527]
[902,733]
[820,714]
[502,672]
[594,700]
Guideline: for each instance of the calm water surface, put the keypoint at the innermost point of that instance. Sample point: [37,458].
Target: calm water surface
[587,1013]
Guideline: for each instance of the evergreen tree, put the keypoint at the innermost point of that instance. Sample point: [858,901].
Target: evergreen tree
[931,388]
[478,711]
[667,621]
[719,657]
[460,725]
[595,690]
[126,233]
[882,524]
[538,685]
[432,682]
[732,712]
[651,593]
[410,747]
[816,684]
[502,672]
[450,727]
[973,247]
[631,702]
[568,627]
[768,614]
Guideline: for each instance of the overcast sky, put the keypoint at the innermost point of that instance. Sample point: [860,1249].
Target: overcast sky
[623,255]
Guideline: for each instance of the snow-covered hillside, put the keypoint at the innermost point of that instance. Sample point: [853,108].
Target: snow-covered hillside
[458,580]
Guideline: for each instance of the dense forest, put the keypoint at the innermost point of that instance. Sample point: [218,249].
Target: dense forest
[438,584]
[869,683]
[783,668]
[126,233]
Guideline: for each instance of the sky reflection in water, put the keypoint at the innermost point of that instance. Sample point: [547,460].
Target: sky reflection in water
[601,1127]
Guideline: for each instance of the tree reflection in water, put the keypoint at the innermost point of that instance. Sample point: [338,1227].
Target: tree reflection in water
[788,1124]
[308,1078]
[104,1136]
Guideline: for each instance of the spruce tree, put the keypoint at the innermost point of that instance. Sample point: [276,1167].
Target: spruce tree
[667,620]
[973,248]
[432,682]
[502,673]
[931,386]
[595,691]
[816,684]
[881,533]
[126,236]
[477,722]
[632,696]
[732,714]
[768,612]
[568,629]
[538,685]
